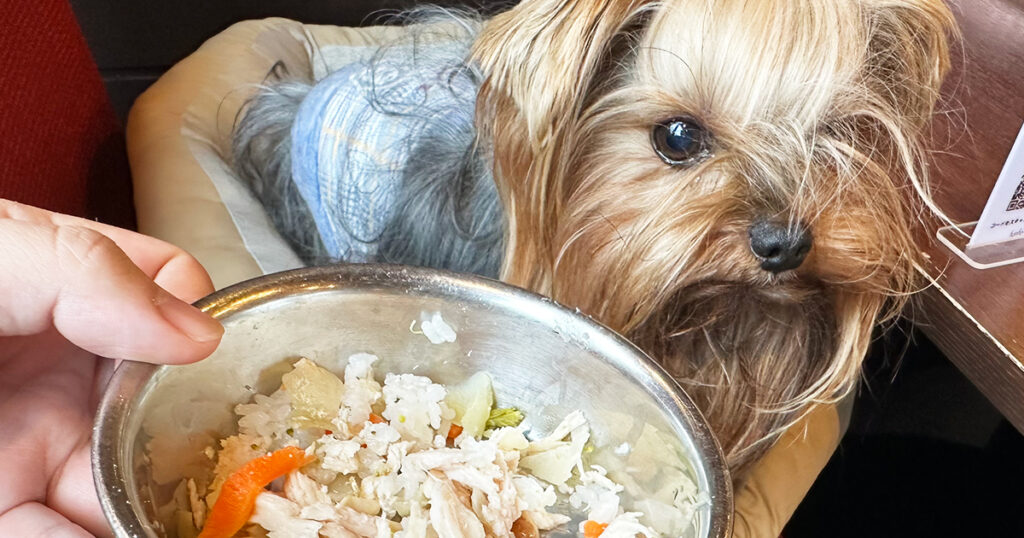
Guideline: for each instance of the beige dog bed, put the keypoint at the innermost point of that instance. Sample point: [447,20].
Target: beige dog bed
[185,193]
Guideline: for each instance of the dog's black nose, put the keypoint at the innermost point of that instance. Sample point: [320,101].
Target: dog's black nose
[779,246]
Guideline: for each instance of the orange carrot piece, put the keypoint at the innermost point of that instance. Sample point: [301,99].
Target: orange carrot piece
[593,529]
[238,494]
[454,432]
[375,418]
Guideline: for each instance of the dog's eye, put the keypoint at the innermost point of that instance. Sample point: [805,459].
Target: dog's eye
[680,141]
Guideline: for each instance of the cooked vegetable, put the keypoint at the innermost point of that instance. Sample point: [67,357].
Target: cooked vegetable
[593,529]
[504,417]
[552,458]
[376,419]
[315,395]
[238,494]
[454,432]
[472,401]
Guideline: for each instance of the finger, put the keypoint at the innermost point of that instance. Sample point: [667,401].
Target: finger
[90,290]
[172,268]
[73,494]
[32,520]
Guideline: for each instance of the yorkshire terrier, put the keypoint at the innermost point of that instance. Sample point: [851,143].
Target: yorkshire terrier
[731,184]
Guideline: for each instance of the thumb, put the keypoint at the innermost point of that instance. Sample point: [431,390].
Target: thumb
[81,282]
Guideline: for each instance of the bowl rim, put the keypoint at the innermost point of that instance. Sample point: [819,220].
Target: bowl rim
[126,385]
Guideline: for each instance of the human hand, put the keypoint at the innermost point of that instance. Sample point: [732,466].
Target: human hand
[74,291]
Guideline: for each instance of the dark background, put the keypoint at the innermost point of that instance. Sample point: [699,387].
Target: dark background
[134,41]
[926,455]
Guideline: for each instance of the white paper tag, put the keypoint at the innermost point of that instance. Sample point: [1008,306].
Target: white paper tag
[1003,217]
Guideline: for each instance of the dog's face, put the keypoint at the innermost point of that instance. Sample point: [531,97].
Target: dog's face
[728,182]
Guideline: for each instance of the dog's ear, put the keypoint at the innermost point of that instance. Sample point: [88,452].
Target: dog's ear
[907,59]
[543,54]
[909,46]
[541,58]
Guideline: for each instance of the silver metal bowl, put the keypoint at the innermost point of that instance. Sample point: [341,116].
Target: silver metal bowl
[544,359]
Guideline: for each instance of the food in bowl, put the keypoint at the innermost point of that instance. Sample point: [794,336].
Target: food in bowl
[155,423]
[351,457]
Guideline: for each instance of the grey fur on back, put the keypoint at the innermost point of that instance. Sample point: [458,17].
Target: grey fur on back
[447,214]
[261,157]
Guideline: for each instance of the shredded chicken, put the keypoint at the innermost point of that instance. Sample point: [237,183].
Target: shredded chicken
[336,530]
[524,528]
[197,506]
[448,515]
[357,522]
[304,491]
[281,518]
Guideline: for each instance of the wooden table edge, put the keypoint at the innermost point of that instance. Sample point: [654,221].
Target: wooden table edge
[976,352]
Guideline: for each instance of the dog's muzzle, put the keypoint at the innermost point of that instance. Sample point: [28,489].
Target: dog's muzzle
[780,246]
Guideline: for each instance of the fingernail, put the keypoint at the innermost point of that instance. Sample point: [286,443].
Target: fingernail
[190,320]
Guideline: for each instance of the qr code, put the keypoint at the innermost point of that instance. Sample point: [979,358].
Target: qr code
[1017,202]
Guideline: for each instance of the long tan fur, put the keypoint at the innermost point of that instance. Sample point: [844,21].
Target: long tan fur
[817,110]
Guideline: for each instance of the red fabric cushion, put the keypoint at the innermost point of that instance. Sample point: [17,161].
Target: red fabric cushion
[61,146]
